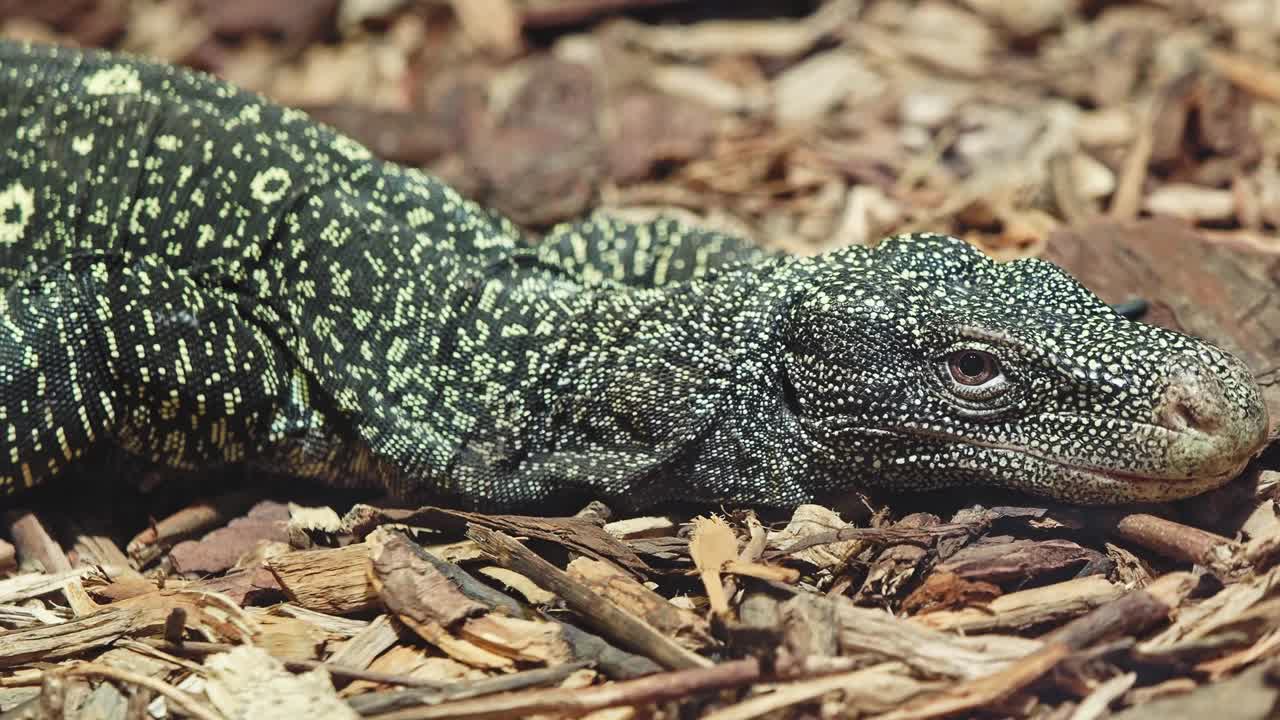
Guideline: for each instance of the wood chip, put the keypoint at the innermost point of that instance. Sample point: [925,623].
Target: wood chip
[685,627]
[1191,202]
[1026,609]
[712,547]
[629,630]
[493,25]
[249,683]
[808,90]
[330,581]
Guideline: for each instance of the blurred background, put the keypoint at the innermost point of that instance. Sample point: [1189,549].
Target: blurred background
[1135,143]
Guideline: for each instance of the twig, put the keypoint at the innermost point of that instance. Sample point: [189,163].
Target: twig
[1182,542]
[897,535]
[182,700]
[1096,703]
[384,702]
[187,522]
[1075,207]
[339,671]
[1128,615]
[1257,79]
[662,687]
[33,541]
[804,690]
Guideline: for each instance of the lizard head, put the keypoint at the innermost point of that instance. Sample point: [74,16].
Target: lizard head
[925,364]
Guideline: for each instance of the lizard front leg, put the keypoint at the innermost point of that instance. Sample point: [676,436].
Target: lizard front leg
[198,383]
[57,400]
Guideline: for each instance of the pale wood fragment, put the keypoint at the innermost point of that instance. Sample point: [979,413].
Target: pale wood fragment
[713,546]
[360,650]
[421,669]
[878,634]
[985,690]
[1260,79]
[528,589]
[641,527]
[523,641]
[54,642]
[331,581]
[1130,614]
[248,683]
[105,699]
[336,626]
[875,689]
[181,700]
[289,638]
[201,649]
[33,542]
[686,627]
[662,687]
[1127,199]
[1096,703]
[810,536]
[1027,608]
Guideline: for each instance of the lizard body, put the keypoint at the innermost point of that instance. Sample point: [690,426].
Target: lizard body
[198,276]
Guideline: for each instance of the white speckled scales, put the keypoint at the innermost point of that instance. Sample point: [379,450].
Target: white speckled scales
[267,290]
[236,269]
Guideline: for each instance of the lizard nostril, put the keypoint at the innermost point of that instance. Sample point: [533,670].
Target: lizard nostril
[1194,399]
[1180,415]
[1215,413]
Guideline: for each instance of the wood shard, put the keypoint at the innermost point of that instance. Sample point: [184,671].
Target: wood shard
[330,581]
[688,628]
[247,682]
[1027,609]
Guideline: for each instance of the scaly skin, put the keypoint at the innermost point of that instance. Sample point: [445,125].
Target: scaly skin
[197,276]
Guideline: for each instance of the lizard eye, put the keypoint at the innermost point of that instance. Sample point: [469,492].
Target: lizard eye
[974,379]
[973,367]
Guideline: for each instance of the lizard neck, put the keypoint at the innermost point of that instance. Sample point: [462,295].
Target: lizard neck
[758,449]
[686,385]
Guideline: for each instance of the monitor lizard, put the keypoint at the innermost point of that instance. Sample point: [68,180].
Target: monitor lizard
[197,276]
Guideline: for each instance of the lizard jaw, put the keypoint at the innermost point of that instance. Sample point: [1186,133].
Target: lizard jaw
[1094,486]
[1075,482]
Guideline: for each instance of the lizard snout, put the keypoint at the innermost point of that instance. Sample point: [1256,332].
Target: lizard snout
[1216,412]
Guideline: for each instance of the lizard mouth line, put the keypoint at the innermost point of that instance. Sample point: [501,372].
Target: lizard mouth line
[1129,477]
[1114,474]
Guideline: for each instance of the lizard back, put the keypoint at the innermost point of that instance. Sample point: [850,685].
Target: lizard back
[354,278]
